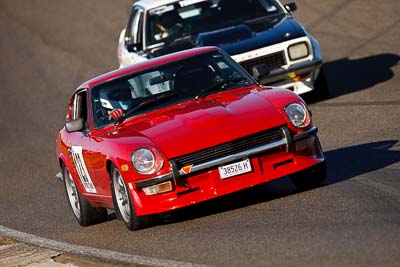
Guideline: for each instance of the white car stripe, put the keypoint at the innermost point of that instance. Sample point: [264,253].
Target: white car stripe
[80,166]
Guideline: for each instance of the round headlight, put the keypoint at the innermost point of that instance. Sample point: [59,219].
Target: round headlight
[298,115]
[147,160]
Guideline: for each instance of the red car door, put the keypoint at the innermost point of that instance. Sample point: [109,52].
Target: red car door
[78,143]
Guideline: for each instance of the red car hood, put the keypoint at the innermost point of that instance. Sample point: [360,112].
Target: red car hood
[195,125]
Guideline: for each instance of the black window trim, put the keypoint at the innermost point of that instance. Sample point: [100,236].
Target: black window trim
[79,91]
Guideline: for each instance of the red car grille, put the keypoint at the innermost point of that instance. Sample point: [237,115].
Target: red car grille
[275,60]
[226,149]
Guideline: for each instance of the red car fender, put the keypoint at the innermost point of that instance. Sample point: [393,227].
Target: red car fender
[117,163]
[280,98]
[119,153]
[62,157]
[137,203]
[64,163]
[128,176]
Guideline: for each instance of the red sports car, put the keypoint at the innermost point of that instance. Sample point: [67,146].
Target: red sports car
[177,130]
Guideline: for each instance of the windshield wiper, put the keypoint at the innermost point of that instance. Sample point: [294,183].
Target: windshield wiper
[142,105]
[210,89]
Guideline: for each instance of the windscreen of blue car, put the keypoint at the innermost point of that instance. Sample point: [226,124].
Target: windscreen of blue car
[191,17]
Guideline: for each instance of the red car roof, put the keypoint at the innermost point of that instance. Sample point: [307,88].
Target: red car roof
[146,64]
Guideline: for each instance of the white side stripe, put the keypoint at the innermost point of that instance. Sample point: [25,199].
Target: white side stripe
[83,173]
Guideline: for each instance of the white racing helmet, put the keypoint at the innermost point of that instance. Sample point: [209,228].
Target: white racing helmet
[116,98]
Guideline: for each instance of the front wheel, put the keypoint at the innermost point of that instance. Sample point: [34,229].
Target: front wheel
[309,178]
[321,88]
[83,211]
[123,204]
[321,85]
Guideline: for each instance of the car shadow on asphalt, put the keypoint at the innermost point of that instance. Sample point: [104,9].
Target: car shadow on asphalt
[343,164]
[346,75]
[348,162]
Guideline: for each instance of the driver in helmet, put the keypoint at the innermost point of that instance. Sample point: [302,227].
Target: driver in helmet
[117,101]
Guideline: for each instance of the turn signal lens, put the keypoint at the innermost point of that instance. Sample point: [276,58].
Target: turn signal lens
[158,188]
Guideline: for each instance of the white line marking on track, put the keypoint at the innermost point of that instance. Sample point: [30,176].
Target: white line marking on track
[93,252]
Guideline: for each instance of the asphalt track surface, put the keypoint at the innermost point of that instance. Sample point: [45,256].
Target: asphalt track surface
[47,48]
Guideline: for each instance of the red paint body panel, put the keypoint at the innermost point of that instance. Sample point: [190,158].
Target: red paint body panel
[195,125]
[209,185]
[182,129]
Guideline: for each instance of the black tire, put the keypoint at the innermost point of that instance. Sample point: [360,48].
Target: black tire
[123,204]
[309,178]
[83,211]
[321,88]
[321,85]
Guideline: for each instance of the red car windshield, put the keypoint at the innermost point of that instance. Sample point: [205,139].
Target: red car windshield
[168,84]
[191,17]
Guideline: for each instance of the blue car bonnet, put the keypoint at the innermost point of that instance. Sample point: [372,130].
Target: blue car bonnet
[239,39]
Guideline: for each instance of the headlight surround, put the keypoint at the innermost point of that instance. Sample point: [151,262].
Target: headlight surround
[298,115]
[298,51]
[147,160]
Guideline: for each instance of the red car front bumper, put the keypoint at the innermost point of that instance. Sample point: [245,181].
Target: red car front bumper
[302,151]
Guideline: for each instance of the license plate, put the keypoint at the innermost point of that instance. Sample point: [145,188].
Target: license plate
[234,169]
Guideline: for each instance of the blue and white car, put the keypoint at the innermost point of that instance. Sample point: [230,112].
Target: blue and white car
[259,34]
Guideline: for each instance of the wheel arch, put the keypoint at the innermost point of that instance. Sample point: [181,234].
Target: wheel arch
[137,203]
[109,165]
[63,162]
[117,162]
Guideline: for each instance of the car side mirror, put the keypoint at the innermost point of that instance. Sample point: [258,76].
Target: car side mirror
[260,71]
[291,7]
[76,125]
[130,44]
